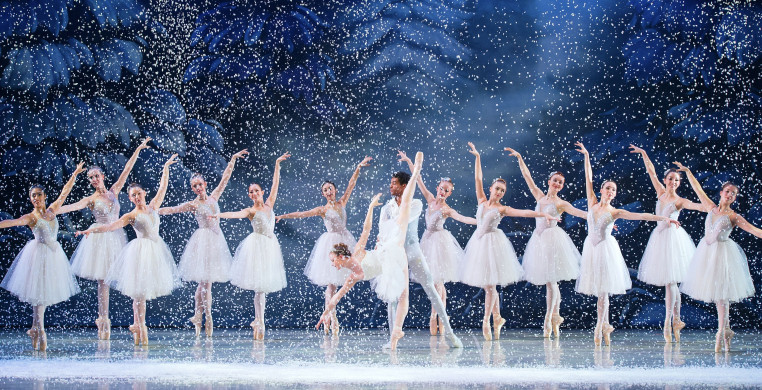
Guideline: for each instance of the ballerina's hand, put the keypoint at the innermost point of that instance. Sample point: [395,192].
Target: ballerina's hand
[365,162]
[81,232]
[581,148]
[375,201]
[551,218]
[240,154]
[324,318]
[144,144]
[681,167]
[283,157]
[635,149]
[80,168]
[674,222]
[403,157]
[472,149]
[512,152]
[172,160]
[278,218]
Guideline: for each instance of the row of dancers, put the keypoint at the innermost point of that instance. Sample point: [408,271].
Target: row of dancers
[144,268]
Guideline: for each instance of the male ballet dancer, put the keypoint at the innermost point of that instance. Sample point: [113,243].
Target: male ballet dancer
[419,270]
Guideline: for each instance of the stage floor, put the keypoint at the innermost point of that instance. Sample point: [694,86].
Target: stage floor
[295,358]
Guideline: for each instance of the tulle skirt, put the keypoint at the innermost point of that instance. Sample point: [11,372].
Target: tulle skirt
[490,260]
[718,271]
[443,255]
[41,275]
[319,268]
[603,270]
[385,268]
[145,269]
[206,257]
[666,258]
[97,252]
[550,256]
[258,264]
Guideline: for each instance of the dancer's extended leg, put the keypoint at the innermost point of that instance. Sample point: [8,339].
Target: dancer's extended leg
[259,316]
[206,300]
[42,337]
[497,320]
[198,308]
[330,290]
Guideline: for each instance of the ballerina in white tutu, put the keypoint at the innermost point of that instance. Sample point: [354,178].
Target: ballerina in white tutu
[145,268]
[258,262]
[550,255]
[441,250]
[206,258]
[719,270]
[603,271]
[97,252]
[385,266]
[319,269]
[40,274]
[670,249]
[490,259]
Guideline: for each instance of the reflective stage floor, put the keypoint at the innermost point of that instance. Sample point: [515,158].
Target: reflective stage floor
[301,358]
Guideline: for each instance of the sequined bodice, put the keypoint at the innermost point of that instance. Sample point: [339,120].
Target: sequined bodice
[146,225]
[665,209]
[599,229]
[435,220]
[46,232]
[204,211]
[541,223]
[105,208]
[717,227]
[487,221]
[335,221]
[263,222]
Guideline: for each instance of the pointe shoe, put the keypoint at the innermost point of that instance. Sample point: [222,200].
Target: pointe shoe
[677,326]
[728,338]
[607,334]
[454,340]
[143,334]
[335,326]
[547,328]
[106,329]
[556,322]
[135,329]
[209,326]
[486,331]
[667,333]
[43,341]
[99,325]
[433,325]
[441,325]
[597,333]
[32,333]
[258,329]
[497,325]
[718,340]
[196,321]
[397,334]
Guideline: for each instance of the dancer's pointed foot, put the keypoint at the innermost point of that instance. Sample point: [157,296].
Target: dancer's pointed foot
[607,329]
[135,329]
[497,324]
[718,340]
[556,321]
[441,329]
[453,340]
[397,334]
[258,330]
[196,321]
[486,331]
[34,335]
[43,339]
[667,332]
[335,326]
[728,338]
[209,325]
[597,335]
[99,325]
[433,324]
[106,329]
[143,334]
[677,326]
[547,329]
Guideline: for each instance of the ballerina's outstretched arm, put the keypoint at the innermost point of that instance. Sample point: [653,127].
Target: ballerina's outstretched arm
[478,176]
[116,188]
[55,206]
[592,199]
[509,211]
[123,221]
[424,191]
[353,180]
[406,200]
[217,193]
[742,223]
[536,191]
[24,220]
[650,169]
[706,202]
[276,181]
[624,214]
[568,208]
[158,199]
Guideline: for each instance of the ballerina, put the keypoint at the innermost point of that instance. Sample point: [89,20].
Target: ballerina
[258,262]
[719,270]
[40,274]
[603,271]
[319,269]
[440,249]
[387,265]
[670,249]
[206,258]
[96,253]
[550,255]
[490,259]
[145,268]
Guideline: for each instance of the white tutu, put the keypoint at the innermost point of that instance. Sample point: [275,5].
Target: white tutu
[667,256]
[206,257]
[319,268]
[40,274]
[603,270]
[258,264]
[490,260]
[443,255]
[145,269]
[97,252]
[718,271]
[385,268]
[550,256]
